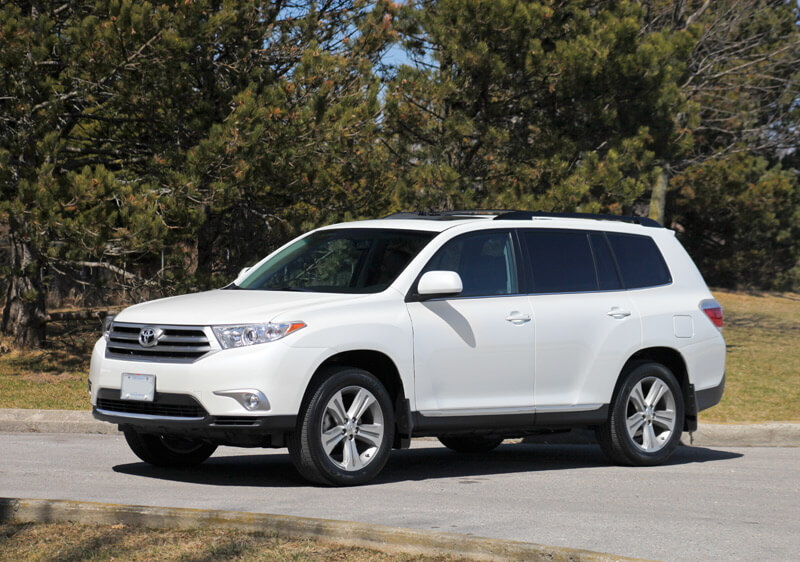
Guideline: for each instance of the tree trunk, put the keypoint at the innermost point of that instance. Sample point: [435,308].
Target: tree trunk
[207,236]
[658,198]
[24,315]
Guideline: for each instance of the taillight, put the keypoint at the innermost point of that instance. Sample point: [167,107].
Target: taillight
[714,312]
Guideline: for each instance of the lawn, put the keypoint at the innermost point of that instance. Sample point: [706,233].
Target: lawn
[54,377]
[762,331]
[71,541]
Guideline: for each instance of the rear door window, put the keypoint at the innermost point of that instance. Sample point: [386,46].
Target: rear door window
[639,260]
[561,261]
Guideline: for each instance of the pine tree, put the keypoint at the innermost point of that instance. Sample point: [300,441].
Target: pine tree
[741,78]
[128,129]
[535,105]
[300,146]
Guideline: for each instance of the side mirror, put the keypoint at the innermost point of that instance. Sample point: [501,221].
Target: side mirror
[439,284]
[242,273]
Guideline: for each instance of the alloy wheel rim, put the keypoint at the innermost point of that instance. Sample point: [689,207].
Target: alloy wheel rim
[650,414]
[352,428]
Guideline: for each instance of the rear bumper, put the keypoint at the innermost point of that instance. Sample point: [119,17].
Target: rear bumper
[709,397]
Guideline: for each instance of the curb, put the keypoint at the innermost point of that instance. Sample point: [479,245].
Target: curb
[52,421]
[377,537]
[770,434]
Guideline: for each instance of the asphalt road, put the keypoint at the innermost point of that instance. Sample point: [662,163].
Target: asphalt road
[707,504]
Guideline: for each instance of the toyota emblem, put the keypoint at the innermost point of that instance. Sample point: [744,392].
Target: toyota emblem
[148,337]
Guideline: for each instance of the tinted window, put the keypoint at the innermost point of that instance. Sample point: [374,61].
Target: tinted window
[356,260]
[639,260]
[561,261]
[485,262]
[606,270]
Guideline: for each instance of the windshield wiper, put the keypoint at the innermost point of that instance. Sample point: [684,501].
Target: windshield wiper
[287,288]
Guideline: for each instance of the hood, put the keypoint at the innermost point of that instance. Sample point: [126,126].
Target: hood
[225,307]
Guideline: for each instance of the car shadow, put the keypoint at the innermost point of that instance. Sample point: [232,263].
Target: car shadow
[418,464]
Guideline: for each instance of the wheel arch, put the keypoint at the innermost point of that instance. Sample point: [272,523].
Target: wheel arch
[385,370]
[673,360]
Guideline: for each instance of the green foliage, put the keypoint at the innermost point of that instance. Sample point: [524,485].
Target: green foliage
[206,132]
[740,220]
[535,105]
[293,153]
[203,129]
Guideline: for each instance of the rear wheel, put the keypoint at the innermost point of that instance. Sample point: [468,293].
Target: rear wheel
[470,443]
[646,419]
[168,450]
[345,431]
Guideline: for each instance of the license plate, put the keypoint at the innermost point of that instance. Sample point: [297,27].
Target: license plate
[138,387]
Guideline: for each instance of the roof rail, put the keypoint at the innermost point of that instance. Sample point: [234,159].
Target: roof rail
[528,215]
[447,215]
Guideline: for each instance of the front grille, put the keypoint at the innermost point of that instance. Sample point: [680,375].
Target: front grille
[166,405]
[177,344]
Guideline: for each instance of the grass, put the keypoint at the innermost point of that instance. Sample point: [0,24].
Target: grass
[69,541]
[762,331]
[52,378]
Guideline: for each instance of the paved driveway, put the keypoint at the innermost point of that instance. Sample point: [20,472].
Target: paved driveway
[720,504]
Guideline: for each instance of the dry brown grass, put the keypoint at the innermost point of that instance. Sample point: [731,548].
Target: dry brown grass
[68,541]
[53,377]
[762,332]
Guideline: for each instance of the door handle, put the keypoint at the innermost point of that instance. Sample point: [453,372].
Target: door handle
[517,317]
[618,313]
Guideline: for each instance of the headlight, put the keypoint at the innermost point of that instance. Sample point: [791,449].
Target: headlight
[107,326]
[251,334]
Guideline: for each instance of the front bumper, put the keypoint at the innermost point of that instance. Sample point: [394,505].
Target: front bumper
[181,415]
[279,372]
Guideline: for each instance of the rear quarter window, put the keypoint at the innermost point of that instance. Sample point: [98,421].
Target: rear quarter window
[640,262]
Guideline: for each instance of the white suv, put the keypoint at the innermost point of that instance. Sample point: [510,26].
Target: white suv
[468,326]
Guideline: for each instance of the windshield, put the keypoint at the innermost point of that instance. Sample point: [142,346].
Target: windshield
[354,260]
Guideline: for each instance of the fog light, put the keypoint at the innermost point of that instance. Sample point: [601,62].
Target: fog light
[251,401]
[249,398]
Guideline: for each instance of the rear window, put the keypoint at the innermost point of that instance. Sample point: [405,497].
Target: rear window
[640,263]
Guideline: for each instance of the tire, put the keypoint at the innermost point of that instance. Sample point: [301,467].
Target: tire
[168,450]
[646,418]
[352,411]
[470,443]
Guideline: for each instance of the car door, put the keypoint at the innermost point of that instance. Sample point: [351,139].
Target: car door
[586,325]
[473,353]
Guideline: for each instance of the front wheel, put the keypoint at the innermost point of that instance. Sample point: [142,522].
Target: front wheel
[168,450]
[345,431]
[646,419]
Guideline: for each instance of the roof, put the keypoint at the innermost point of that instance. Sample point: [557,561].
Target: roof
[518,215]
[440,221]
